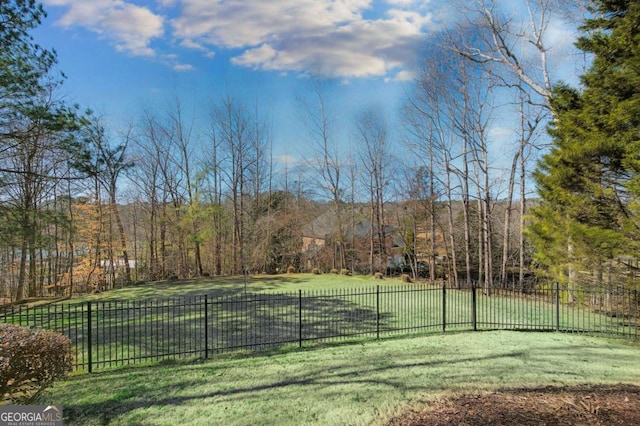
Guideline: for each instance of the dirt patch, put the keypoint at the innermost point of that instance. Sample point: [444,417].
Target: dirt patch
[617,405]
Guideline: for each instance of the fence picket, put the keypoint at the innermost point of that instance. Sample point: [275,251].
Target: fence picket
[89,340]
[444,308]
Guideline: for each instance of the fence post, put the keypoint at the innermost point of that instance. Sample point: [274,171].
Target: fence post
[206,327]
[89,336]
[557,306]
[473,307]
[300,318]
[635,296]
[444,307]
[378,312]
[630,314]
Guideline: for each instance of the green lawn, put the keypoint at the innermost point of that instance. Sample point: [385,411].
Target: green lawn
[227,286]
[150,322]
[357,384]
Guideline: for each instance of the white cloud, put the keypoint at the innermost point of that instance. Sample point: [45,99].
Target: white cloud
[295,34]
[404,75]
[128,26]
[349,38]
[262,55]
[407,3]
[286,159]
[167,3]
[183,67]
[561,36]
[502,134]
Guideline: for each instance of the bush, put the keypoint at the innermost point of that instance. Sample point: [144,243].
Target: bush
[344,272]
[378,275]
[30,361]
[315,271]
[334,271]
[291,270]
[406,278]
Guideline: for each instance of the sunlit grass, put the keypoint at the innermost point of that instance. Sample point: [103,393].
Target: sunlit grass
[166,320]
[341,385]
[226,286]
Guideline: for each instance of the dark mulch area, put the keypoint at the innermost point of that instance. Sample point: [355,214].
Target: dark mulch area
[617,405]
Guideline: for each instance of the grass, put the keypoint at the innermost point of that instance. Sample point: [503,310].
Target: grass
[332,308]
[341,385]
[234,285]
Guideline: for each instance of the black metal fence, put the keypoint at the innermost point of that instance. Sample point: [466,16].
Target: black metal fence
[113,333]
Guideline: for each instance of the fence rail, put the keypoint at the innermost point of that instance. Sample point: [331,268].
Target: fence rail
[113,333]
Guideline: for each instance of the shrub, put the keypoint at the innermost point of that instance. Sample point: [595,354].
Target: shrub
[30,361]
[406,278]
[334,271]
[291,270]
[378,275]
[344,272]
[315,271]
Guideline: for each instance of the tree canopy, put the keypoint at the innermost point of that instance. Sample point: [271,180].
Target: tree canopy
[24,65]
[39,139]
[588,182]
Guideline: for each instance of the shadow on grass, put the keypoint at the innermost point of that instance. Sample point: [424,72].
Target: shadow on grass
[131,398]
[238,321]
[214,286]
[197,325]
[396,372]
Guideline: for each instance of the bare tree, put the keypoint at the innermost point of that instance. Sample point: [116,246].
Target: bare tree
[371,131]
[508,39]
[419,125]
[433,139]
[236,131]
[259,179]
[530,118]
[153,167]
[475,118]
[319,115]
[215,178]
[179,132]
[111,163]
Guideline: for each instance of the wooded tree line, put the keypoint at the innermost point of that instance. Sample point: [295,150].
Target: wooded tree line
[86,207]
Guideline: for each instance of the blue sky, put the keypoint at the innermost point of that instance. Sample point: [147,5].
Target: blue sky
[123,55]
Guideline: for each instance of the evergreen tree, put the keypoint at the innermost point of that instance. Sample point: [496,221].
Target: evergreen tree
[39,143]
[29,107]
[589,183]
[24,65]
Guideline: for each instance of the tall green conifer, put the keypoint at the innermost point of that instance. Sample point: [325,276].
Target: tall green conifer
[589,182]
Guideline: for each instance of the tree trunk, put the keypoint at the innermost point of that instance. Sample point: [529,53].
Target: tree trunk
[123,239]
[466,214]
[453,262]
[523,212]
[506,240]
[22,276]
